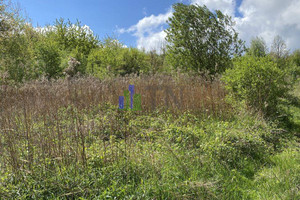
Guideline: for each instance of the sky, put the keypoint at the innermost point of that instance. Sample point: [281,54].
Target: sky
[141,23]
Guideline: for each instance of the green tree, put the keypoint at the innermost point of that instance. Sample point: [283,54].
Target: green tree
[258,47]
[107,58]
[114,58]
[10,20]
[49,58]
[296,57]
[156,61]
[16,45]
[259,82]
[201,40]
[77,40]
[74,35]
[134,61]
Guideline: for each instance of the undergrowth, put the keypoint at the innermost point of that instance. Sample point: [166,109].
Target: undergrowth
[100,152]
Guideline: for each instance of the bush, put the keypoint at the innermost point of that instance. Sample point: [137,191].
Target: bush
[49,58]
[258,82]
[114,58]
[134,61]
[106,59]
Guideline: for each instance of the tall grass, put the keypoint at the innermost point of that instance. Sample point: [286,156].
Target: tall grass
[182,92]
[58,120]
[67,139]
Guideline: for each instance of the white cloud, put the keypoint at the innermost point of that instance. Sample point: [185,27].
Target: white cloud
[154,41]
[226,6]
[50,28]
[149,31]
[259,18]
[270,18]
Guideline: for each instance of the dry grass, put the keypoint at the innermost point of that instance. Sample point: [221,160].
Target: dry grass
[182,92]
[59,120]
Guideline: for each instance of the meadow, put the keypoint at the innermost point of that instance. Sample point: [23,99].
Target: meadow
[218,119]
[67,139]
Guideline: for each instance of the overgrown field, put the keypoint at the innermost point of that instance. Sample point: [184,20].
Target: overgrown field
[68,140]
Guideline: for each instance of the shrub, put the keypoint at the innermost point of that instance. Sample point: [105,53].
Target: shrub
[49,58]
[258,82]
[105,59]
[134,61]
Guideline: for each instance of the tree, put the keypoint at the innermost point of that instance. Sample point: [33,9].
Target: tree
[279,49]
[108,57]
[77,40]
[201,40]
[49,58]
[280,54]
[16,44]
[258,47]
[134,61]
[9,19]
[114,58]
[296,57]
[295,64]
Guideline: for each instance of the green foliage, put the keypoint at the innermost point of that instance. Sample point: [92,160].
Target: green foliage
[65,48]
[96,64]
[157,61]
[280,180]
[296,57]
[114,58]
[134,61]
[17,58]
[258,47]
[49,58]
[257,81]
[164,157]
[201,40]
[77,40]
[74,35]
[16,46]
[106,59]
[294,64]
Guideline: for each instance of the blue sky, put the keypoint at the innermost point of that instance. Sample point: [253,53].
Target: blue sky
[141,23]
[104,17]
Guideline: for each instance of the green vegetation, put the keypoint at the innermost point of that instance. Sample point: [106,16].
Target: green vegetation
[226,128]
[258,47]
[201,40]
[259,82]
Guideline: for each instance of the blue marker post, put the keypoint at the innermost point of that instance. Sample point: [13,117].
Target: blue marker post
[131,90]
[130,101]
[121,102]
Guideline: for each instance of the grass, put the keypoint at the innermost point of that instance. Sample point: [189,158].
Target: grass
[68,140]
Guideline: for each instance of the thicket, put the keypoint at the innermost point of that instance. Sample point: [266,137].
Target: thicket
[259,82]
[64,49]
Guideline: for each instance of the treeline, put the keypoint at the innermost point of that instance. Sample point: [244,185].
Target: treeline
[197,41]
[67,49]
[64,49]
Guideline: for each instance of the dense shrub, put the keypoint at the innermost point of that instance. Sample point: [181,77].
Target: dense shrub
[114,58]
[134,61]
[49,58]
[258,82]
